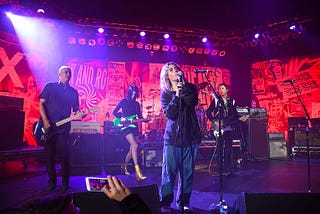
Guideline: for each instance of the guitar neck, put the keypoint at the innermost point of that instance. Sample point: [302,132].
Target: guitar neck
[76,116]
[66,120]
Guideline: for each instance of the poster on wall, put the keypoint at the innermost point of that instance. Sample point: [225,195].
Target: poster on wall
[277,85]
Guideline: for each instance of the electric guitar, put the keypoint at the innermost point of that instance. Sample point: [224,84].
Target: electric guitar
[129,122]
[227,128]
[43,135]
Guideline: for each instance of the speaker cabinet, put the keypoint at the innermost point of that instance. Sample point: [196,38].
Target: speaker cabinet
[99,203]
[258,146]
[86,149]
[276,203]
[278,148]
[116,148]
[11,129]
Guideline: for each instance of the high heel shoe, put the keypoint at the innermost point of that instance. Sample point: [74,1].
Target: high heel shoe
[139,174]
[124,169]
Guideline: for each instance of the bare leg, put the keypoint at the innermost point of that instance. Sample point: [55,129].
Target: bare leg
[132,153]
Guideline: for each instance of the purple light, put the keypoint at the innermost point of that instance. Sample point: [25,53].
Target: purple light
[204,39]
[100,30]
[142,33]
[257,35]
[166,36]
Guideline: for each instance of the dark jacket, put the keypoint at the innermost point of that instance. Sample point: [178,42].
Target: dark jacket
[190,130]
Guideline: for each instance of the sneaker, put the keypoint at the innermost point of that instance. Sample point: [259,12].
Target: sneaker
[186,208]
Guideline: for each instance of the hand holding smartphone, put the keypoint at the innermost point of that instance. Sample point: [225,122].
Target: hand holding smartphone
[96,184]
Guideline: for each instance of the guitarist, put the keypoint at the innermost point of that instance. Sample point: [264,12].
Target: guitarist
[127,107]
[229,115]
[57,99]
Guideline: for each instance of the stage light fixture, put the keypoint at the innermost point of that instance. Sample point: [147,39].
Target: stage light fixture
[139,45]
[204,39]
[257,35]
[82,41]
[166,36]
[199,50]
[191,50]
[284,37]
[206,51]
[253,43]
[130,44]
[72,40]
[92,42]
[292,27]
[148,47]
[214,52]
[274,39]
[40,10]
[222,53]
[165,48]
[142,33]
[101,41]
[110,42]
[174,48]
[156,47]
[100,30]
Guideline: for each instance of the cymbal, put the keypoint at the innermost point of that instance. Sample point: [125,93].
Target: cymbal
[202,85]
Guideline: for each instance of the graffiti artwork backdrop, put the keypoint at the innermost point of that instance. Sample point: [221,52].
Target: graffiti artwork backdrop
[277,85]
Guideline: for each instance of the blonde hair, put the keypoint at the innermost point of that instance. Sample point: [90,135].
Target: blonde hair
[165,84]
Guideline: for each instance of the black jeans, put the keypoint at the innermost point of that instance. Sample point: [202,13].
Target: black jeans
[58,145]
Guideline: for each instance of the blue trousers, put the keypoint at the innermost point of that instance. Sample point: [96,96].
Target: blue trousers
[171,166]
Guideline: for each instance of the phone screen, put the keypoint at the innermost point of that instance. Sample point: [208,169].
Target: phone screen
[95,184]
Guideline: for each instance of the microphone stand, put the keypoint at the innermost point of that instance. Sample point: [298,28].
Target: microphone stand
[180,136]
[220,207]
[307,131]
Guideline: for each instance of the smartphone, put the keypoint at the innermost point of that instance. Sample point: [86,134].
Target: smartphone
[96,184]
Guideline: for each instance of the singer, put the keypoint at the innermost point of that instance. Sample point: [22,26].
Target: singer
[182,134]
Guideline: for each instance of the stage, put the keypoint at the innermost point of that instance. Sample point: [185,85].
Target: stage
[260,179]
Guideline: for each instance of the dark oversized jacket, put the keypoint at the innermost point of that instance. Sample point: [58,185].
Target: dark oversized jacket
[190,130]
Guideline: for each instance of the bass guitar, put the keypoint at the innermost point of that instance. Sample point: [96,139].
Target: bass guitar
[130,121]
[43,135]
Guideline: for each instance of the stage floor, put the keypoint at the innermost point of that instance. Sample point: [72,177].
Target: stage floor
[286,175]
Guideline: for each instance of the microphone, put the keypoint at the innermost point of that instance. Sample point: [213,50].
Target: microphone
[201,71]
[286,81]
[180,76]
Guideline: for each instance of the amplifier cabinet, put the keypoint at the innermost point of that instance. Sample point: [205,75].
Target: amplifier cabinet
[115,149]
[278,148]
[86,149]
[257,138]
[300,136]
[11,129]
[152,153]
